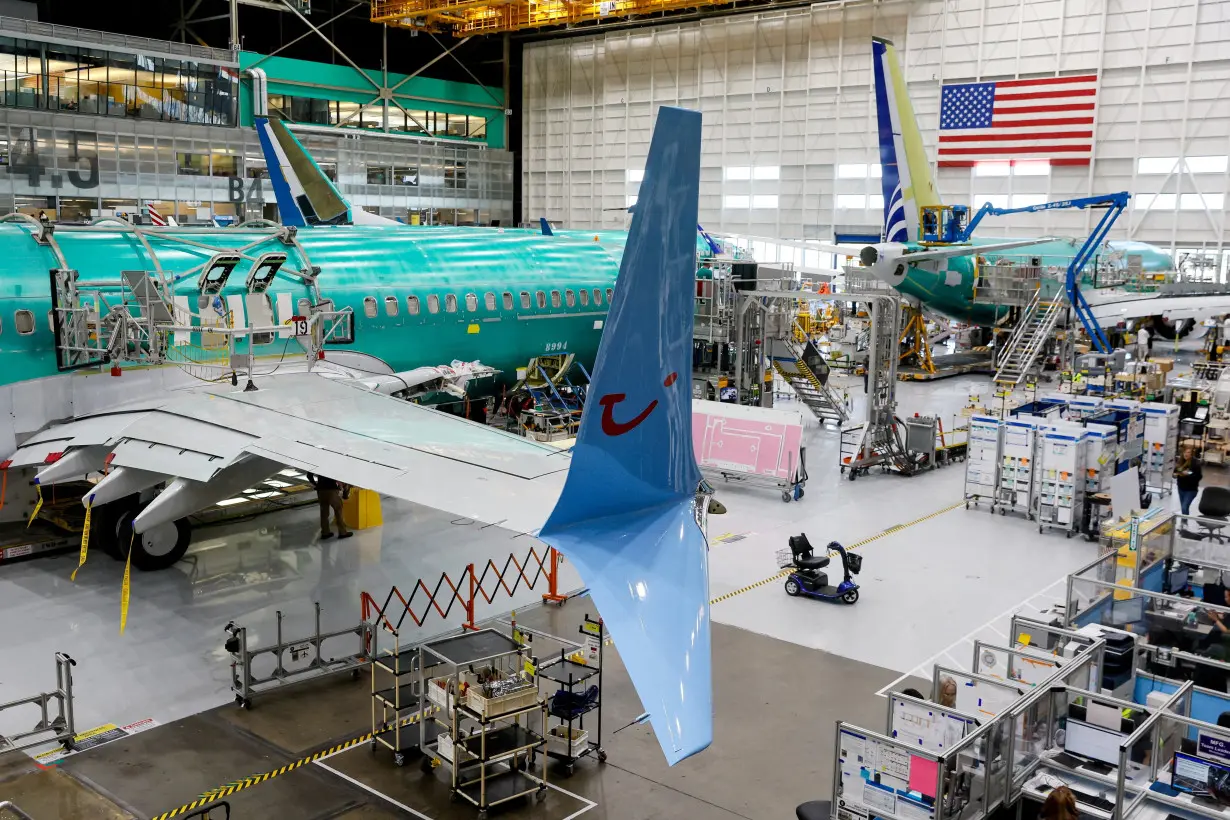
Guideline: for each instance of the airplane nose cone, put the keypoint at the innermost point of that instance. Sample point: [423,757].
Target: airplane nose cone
[869,256]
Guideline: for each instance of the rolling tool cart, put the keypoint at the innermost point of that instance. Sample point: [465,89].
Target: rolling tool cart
[397,701]
[579,677]
[487,703]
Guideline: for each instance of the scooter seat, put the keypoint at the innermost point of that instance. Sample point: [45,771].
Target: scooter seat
[812,563]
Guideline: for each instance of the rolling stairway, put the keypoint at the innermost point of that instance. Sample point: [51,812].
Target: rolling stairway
[1028,338]
[807,373]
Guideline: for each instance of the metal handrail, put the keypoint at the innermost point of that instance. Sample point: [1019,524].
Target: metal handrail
[15,809]
[141,45]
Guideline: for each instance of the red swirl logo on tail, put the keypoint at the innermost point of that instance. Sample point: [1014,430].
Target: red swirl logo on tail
[617,428]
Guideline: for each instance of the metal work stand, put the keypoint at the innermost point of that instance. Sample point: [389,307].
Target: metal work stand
[48,729]
[489,747]
[401,703]
[244,684]
[568,674]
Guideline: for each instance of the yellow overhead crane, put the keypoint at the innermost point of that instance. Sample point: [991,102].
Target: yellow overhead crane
[465,18]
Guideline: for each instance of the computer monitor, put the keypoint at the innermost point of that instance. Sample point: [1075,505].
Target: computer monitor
[1201,777]
[1178,578]
[1127,612]
[1093,742]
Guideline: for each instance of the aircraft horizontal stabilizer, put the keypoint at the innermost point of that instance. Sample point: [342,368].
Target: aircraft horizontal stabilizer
[626,515]
[949,251]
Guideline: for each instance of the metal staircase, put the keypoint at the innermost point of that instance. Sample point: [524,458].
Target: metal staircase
[811,387]
[1028,338]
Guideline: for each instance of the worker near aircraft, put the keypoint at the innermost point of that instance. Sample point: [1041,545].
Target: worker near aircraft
[1187,475]
[1144,344]
[329,495]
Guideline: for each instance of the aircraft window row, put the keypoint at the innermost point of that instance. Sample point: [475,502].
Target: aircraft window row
[414,306]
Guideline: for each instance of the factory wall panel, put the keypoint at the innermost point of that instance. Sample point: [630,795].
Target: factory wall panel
[789,113]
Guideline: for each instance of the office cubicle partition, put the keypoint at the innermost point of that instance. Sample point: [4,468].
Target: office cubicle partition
[978,695]
[1030,667]
[928,725]
[1205,704]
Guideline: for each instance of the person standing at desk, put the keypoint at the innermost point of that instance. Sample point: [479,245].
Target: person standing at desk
[1188,474]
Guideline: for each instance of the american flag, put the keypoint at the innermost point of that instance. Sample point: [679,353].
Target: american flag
[1050,118]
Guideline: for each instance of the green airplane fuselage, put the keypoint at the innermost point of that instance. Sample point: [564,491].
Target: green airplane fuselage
[947,287]
[420,297]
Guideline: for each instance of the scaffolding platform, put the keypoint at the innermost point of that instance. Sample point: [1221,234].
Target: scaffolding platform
[953,364]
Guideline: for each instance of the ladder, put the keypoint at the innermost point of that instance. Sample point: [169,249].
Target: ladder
[1028,338]
[821,399]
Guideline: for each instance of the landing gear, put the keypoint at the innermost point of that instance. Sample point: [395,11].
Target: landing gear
[157,548]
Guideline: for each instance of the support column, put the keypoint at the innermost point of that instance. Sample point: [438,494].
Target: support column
[234,15]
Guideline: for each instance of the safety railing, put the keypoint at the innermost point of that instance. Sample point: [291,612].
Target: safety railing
[465,590]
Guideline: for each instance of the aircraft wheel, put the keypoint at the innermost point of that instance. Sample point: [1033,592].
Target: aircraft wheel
[157,548]
[792,587]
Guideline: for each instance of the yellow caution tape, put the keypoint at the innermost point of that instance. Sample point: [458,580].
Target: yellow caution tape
[85,541]
[38,488]
[127,585]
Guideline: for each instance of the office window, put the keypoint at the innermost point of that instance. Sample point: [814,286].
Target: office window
[766,172]
[508,300]
[1194,165]
[736,201]
[1026,200]
[489,301]
[764,201]
[412,305]
[4,152]
[369,306]
[608,295]
[739,172]
[433,304]
[1031,167]
[584,294]
[995,168]
[23,320]
[570,298]
[390,305]
[192,165]
[541,299]
[455,174]
[555,299]
[1198,202]
[406,176]
[225,165]
[598,297]
[471,302]
[851,202]
[450,303]
[377,175]
[635,174]
[852,170]
[1156,165]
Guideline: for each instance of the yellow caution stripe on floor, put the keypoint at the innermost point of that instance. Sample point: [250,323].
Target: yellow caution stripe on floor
[248,782]
[854,546]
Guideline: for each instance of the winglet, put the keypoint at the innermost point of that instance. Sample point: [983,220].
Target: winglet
[546,226]
[305,195]
[625,517]
[714,247]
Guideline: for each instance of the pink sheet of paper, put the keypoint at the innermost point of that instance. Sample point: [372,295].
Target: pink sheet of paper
[746,445]
[923,775]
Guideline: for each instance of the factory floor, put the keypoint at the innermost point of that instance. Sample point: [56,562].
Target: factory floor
[935,578]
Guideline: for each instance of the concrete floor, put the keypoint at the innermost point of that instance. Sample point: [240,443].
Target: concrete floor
[935,577]
[761,715]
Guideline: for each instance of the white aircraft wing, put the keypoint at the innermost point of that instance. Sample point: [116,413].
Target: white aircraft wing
[211,442]
[948,251]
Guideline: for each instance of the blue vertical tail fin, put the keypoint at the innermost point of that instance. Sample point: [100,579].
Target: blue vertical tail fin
[905,174]
[626,515]
[305,194]
[546,226]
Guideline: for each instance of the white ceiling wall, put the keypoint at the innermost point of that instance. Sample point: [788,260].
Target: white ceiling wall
[789,96]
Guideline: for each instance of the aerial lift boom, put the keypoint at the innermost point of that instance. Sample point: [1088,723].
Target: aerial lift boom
[946,225]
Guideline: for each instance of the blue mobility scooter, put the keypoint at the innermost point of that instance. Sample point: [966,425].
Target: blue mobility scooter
[805,568]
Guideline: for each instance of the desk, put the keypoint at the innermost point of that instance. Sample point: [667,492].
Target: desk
[1156,806]
[1176,621]
[1081,780]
